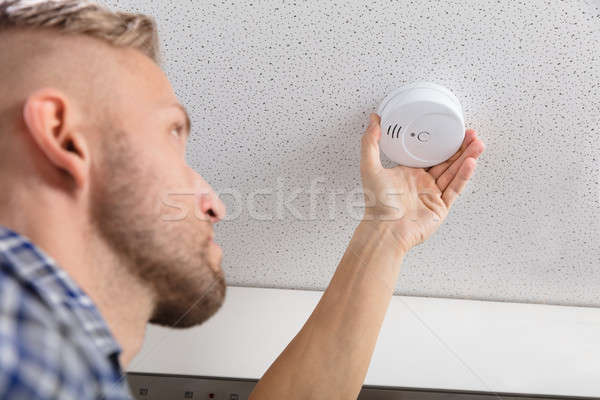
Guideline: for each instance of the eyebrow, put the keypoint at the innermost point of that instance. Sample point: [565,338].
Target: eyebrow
[188,123]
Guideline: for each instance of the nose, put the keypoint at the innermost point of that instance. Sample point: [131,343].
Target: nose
[210,203]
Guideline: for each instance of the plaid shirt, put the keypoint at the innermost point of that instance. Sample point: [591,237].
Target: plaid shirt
[54,344]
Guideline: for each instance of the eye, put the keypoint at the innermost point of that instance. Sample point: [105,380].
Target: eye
[177,130]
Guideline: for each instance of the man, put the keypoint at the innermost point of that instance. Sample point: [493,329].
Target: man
[92,139]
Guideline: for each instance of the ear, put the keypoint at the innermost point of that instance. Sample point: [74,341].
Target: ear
[51,119]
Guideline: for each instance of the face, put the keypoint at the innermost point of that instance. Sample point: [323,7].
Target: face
[146,202]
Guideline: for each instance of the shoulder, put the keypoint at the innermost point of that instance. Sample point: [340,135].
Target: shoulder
[53,341]
[38,358]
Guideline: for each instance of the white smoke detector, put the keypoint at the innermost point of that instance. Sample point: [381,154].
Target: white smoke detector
[422,125]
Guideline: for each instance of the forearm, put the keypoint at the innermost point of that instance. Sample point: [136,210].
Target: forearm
[329,357]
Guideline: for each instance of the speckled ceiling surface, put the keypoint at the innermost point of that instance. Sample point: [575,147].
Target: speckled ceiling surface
[279,93]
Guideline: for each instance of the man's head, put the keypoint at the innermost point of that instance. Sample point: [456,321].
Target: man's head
[87,114]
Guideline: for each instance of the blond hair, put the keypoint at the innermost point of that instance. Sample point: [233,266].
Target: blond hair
[82,17]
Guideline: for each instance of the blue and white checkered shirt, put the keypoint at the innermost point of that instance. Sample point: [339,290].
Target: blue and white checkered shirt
[54,344]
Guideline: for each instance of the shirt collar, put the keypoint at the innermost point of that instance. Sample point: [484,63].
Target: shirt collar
[40,271]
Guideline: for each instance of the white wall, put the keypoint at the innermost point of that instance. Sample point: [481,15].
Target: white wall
[424,343]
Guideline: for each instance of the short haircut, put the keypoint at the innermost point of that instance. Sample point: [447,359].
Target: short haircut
[120,29]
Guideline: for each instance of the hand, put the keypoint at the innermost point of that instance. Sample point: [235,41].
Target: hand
[413,201]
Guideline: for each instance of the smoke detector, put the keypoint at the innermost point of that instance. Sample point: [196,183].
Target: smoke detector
[422,125]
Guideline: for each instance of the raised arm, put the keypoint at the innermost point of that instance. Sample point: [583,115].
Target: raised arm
[329,357]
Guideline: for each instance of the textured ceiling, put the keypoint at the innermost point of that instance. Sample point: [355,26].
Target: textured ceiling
[279,94]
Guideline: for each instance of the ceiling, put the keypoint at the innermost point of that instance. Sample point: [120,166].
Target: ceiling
[280,92]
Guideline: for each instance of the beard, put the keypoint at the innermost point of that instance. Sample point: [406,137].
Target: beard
[168,257]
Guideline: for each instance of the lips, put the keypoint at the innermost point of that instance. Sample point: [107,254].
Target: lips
[211,238]
[210,233]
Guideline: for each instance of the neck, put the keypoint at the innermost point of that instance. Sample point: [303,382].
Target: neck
[70,241]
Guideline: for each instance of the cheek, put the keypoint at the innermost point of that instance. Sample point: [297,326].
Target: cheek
[174,189]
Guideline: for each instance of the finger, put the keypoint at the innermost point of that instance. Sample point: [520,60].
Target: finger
[439,169]
[459,182]
[370,159]
[474,151]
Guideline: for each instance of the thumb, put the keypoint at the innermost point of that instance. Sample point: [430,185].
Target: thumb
[369,149]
